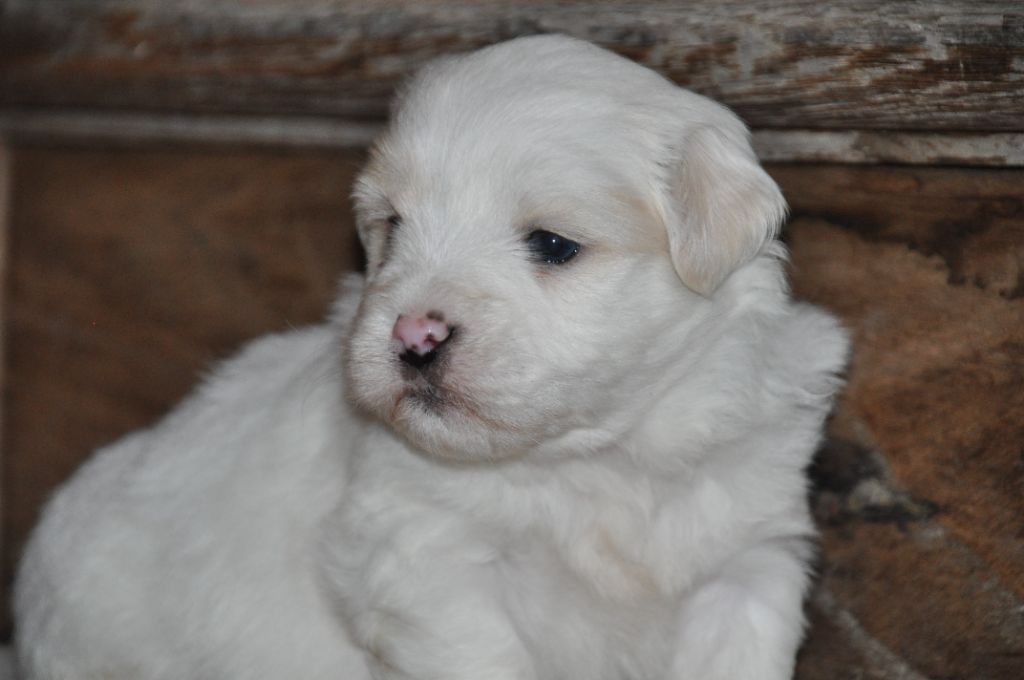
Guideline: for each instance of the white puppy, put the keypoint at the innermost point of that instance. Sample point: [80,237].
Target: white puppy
[569,443]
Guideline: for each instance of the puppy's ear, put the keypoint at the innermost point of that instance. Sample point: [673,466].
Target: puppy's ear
[723,206]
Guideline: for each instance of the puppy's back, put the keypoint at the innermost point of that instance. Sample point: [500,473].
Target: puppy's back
[142,552]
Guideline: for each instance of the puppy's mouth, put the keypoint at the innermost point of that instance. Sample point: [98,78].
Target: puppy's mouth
[419,370]
[424,390]
[427,387]
[415,362]
[429,397]
[417,400]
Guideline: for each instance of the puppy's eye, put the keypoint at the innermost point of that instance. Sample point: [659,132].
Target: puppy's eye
[394,221]
[551,248]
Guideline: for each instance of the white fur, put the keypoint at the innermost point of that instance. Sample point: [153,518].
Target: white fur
[606,480]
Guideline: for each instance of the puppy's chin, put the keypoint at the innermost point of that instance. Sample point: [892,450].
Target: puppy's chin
[438,419]
[446,425]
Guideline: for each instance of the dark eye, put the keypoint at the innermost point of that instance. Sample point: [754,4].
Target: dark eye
[394,221]
[552,248]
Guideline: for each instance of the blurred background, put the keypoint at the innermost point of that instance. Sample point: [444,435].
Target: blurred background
[174,179]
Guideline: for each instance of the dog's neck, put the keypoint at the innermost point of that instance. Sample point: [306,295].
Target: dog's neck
[712,396]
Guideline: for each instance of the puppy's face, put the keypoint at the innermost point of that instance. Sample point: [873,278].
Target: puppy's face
[522,224]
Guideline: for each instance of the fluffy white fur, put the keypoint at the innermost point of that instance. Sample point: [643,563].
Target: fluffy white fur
[605,480]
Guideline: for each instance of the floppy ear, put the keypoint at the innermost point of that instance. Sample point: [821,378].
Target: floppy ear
[723,206]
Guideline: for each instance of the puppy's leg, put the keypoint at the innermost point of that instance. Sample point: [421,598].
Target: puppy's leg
[457,637]
[424,607]
[746,623]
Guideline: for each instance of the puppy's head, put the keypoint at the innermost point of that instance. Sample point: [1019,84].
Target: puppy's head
[544,223]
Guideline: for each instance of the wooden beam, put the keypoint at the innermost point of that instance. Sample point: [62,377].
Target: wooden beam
[993,149]
[996,150]
[863,64]
[66,127]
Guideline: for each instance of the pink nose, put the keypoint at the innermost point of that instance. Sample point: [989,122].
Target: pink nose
[421,334]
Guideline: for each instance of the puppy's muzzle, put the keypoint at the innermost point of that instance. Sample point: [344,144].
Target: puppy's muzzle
[422,337]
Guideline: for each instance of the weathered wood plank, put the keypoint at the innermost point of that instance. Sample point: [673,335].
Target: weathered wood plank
[74,128]
[1001,149]
[989,149]
[862,64]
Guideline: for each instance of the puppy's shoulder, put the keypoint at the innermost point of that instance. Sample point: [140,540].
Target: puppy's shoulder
[809,353]
[281,370]
[819,337]
[273,365]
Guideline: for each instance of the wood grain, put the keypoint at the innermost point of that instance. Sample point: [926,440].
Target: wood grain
[864,147]
[89,128]
[863,64]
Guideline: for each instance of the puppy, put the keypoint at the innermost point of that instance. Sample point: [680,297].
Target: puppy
[558,431]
